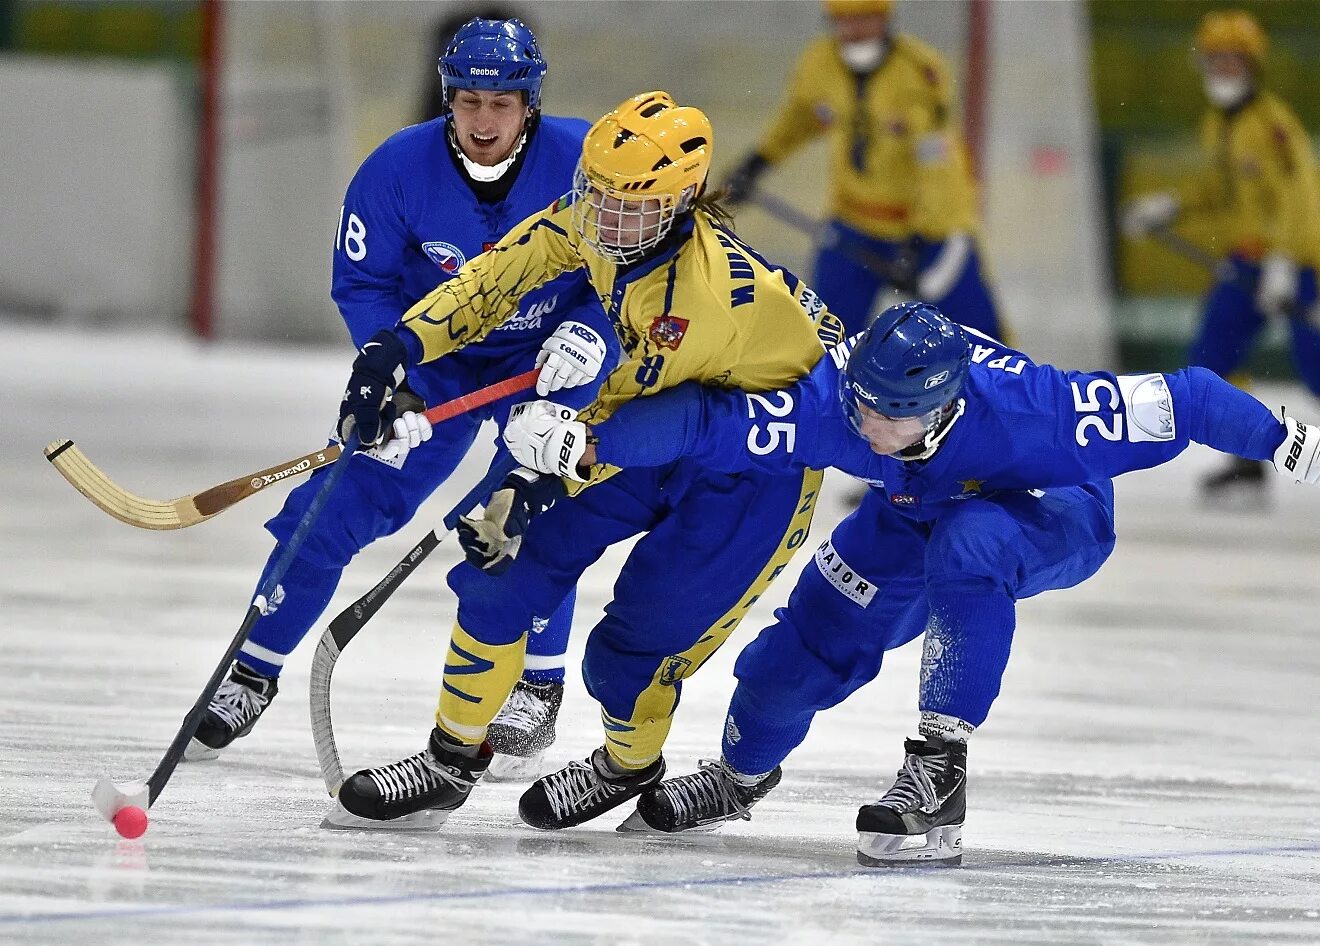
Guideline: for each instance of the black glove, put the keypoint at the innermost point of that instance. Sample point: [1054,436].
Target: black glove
[491,543]
[740,184]
[905,269]
[377,371]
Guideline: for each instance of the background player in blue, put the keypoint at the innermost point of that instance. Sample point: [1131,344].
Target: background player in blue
[990,479]
[431,197]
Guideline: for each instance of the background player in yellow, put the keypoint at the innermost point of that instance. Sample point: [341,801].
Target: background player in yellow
[1259,191]
[901,187]
[689,302]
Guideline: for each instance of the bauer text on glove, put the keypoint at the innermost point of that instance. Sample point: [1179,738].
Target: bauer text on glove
[1298,457]
[547,437]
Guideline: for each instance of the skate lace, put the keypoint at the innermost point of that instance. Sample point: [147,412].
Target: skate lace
[913,788]
[235,704]
[414,775]
[576,787]
[705,794]
[524,710]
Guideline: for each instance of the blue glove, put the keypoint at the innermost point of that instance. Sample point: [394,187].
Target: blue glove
[491,543]
[377,371]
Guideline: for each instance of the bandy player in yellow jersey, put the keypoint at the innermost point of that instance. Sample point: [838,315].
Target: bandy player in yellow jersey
[690,302]
[1260,189]
[901,186]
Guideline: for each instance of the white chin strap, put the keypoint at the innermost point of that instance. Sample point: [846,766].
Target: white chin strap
[864,55]
[925,448]
[482,173]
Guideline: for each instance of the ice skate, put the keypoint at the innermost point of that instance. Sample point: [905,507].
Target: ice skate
[919,820]
[523,730]
[1239,487]
[584,790]
[699,802]
[414,794]
[232,713]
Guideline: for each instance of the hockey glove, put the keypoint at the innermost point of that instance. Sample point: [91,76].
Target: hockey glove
[1149,212]
[1298,457]
[377,371]
[573,355]
[1276,292]
[491,543]
[903,271]
[411,429]
[739,185]
[546,437]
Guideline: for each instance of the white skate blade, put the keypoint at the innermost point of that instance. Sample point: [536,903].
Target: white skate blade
[515,768]
[939,847]
[636,824]
[339,818]
[197,751]
[110,797]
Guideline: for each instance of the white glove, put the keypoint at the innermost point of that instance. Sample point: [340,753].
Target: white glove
[1298,457]
[546,437]
[569,357]
[938,279]
[411,429]
[1149,212]
[1276,291]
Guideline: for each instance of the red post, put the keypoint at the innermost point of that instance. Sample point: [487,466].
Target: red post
[977,82]
[202,306]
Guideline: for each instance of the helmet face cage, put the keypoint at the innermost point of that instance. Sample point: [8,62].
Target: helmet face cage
[621,226]
[493,56]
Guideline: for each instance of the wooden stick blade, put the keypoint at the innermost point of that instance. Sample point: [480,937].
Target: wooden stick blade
[106,495]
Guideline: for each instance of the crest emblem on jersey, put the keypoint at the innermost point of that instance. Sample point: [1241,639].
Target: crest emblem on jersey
[904,499]
[445,255]
[667,331]
[673,670]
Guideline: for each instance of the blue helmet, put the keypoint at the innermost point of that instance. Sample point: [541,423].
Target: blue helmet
[493,55]
[911,362]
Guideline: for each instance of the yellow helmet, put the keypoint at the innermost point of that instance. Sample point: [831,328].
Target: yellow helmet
[642,165]
[838,8]
[1231,31]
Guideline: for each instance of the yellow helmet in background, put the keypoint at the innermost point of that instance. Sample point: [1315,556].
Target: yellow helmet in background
[1231,31]
[838,8]
[642,165]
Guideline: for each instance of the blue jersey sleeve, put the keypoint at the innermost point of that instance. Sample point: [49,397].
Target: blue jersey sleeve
[729,430]
[368,254]
[1114,424]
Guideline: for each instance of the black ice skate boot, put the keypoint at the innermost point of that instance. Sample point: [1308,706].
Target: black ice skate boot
[702,801]
[927,801]
[233,711]
[584,790]
[523,730]
[1240,486]
[414,794]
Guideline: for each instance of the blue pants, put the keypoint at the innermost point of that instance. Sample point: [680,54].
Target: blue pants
[711,544]
[1231,322]
[849,288]
[374,500]
[882,579]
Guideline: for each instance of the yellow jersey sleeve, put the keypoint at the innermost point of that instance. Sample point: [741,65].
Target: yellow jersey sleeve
[803,114]
[486,291]
[944,193]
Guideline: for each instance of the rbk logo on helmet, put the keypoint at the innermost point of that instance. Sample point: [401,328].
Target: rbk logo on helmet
[936,380]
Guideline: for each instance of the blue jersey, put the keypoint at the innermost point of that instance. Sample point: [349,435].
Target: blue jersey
[410,220]
[1024,426]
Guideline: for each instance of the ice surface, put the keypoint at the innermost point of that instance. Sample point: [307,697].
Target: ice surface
[1149,774]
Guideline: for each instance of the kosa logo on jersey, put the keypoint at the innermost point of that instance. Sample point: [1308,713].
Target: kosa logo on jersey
[445,255]
[667,331]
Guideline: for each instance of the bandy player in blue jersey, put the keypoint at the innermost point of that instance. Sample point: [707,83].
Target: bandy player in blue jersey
[990,482]
[431,197]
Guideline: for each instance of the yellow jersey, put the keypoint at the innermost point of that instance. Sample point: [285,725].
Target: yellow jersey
[705,307]
[898,165]
[1261,189]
